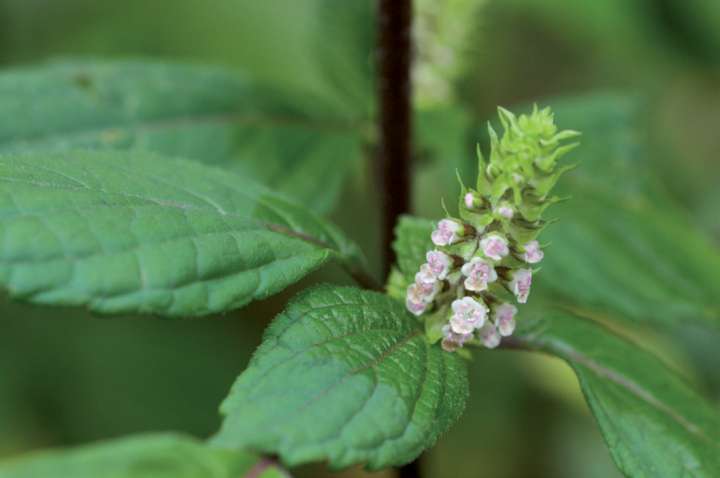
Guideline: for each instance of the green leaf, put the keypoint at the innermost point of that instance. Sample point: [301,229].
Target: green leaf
[655,424]
[412,241]
[622,246]
[209,114]
[122,232]
[158,455]
[346,376]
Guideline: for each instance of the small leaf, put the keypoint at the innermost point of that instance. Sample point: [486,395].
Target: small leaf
[654,423]
[144,456]
[210,114]
[346,376]
[123,232]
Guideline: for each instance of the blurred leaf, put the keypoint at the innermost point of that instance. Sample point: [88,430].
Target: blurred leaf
[654,423]
[123,232]
[444,145]
[205,113]
[346,376]
[621,244]
[144,456]
[412,241]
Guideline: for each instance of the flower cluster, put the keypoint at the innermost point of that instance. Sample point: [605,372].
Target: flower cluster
[482,260]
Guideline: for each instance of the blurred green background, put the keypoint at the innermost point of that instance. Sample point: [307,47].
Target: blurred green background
[68,378]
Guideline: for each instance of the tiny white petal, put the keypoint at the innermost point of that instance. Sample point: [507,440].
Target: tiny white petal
[520,284]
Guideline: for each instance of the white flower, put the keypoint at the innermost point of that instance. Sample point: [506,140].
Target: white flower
[520,284]
[489,336]
[533,254]
[504,318]
[439,264]
[494,246]
[468,315]
[446,233]
[505,210]
[479,274]
[451,340]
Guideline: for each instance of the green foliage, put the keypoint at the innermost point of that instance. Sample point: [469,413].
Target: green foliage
[654,423]
[132,232]
[145,456]
[210,114]
[412,241]
[346,376]
[622,246]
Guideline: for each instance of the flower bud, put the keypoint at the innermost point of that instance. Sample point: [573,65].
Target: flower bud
[469,200]
[494,246]
[504,318]
[520,284]
[489,336]
[479,274]
[505,210]
[447,233]
[533,254]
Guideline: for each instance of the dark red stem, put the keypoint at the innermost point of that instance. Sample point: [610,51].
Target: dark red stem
[395,150]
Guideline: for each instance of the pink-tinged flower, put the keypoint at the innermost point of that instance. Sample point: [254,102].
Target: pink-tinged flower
[415,307]
[533,254]
[520,284]
[420,295]
[426,275]
[469,200]
[439,264]
[451,340]
[468,315]
[489,336]
[505,210]
[494,246]
[504,318]
[446,233]
[479,274]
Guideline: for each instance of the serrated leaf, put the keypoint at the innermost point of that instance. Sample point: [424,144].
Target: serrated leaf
[344,376]
[210,114]
[135,232]
[412,241]
[655,424]
[622,246]
[144,456]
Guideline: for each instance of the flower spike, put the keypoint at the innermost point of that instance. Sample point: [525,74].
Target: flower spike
[482,260]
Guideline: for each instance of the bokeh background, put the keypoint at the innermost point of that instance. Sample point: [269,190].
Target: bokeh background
[640,78]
